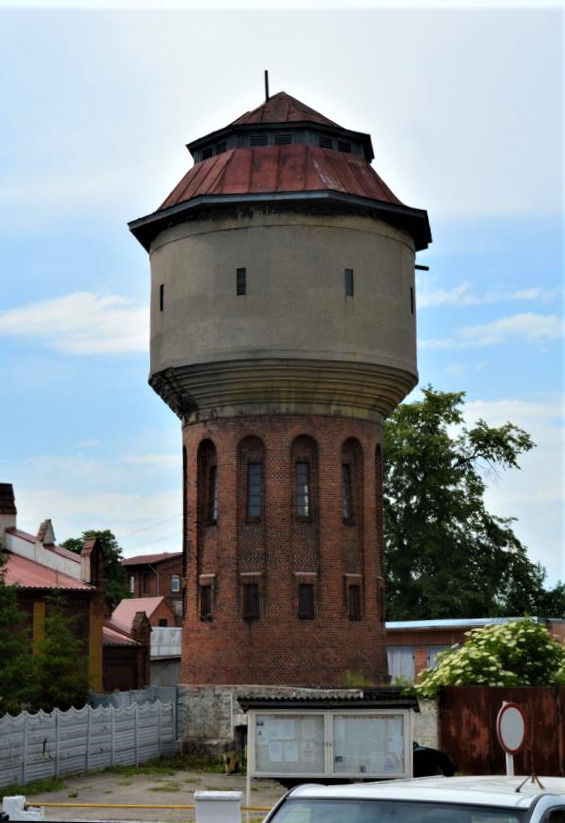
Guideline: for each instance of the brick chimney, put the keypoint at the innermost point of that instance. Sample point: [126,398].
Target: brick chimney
[8,509]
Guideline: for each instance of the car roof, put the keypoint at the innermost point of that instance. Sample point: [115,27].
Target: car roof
[492,790]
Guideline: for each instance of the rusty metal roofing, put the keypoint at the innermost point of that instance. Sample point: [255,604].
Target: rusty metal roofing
[29,574]
[60,550]
[277,169]
[282,108]
[142,559]
[7,499]
[374,698]
[126,610]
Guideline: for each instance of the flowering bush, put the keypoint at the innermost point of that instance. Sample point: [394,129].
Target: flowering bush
[521,653]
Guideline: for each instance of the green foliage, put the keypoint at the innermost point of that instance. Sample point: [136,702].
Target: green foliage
[60,664]
[446,556]
[115,584]
[521,653]
[16,661]
[356,680]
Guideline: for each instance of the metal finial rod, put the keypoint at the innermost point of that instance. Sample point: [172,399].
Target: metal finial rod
[266,85]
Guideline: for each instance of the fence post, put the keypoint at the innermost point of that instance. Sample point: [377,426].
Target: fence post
[135,722]
[159,715]
[24,758]
[56,713]
[112,735]
[89,711]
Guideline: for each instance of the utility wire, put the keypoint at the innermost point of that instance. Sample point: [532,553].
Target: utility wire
[149,542]
[150,526]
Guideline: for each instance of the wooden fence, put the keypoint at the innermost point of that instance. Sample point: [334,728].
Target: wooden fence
[38,746]
[467,729]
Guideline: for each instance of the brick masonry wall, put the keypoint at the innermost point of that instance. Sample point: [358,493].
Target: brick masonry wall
[278,648]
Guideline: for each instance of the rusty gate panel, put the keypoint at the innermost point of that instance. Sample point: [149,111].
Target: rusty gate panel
[467,729]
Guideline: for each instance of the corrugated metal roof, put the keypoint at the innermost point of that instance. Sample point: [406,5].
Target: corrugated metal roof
[31,575]
[114,635]
[459,623]
[288,168]
[140,559]
[282,108]
[392,697]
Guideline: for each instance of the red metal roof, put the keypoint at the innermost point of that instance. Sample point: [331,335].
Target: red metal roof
[282,108]
[113,635]
[126,610]
[140,559]
[31,575]
[276,169]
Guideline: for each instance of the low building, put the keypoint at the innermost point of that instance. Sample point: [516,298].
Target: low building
[38,566]
[157,575]
[127,654]
[413,645]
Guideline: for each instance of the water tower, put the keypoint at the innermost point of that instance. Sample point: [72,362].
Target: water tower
[283,332]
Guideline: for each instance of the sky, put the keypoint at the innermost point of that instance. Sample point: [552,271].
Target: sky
[465,108]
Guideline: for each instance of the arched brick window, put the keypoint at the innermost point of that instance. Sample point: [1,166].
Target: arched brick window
[304,461]
[207,484]
[251,479]
[351,482]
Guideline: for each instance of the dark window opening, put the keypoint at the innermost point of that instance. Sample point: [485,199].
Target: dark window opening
[326,142]
[412,299]
[344,146]
[346,494]
[283,139]
[220,148]
[258,140]
[161,297]
[254,490]
[206,602]
[305,601]
[348,282]
[303,490]
[354,602]
[213,495]
[208,152]
[250,601]
[241,282]
[162,621]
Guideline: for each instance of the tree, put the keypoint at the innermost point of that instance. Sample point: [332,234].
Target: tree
[446,556]
[521,653]
[115,587]
[16,661]
[60,664]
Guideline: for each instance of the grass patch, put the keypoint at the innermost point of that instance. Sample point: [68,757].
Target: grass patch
[49,784]
[171,765]
[167,786]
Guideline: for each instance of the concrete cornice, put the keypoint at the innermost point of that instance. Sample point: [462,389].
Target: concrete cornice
[282,386]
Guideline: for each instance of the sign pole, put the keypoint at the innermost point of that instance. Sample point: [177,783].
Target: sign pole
[511,732]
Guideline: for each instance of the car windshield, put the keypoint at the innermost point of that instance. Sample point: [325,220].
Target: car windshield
[296,810]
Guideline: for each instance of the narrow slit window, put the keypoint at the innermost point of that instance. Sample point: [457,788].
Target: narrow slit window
[241,282]
[175,583]
[346,494]
[254,490]
[305,601]
[412,299]
[303,490]
[206,602]
[354,602]
[349,282]
[131,584]
[213,495]
[162,297]
[250,601]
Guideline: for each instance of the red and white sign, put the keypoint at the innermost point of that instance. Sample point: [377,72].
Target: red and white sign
[511,728]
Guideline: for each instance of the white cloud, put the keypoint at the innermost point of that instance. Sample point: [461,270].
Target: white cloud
[527,326]
[157,460]
[82,323]
[461,295]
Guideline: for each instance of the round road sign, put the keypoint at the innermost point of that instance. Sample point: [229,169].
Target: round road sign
[511,728]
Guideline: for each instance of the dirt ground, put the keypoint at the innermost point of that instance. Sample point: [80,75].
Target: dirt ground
[144,790]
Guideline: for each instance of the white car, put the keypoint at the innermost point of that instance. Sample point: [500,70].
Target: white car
[427,800]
